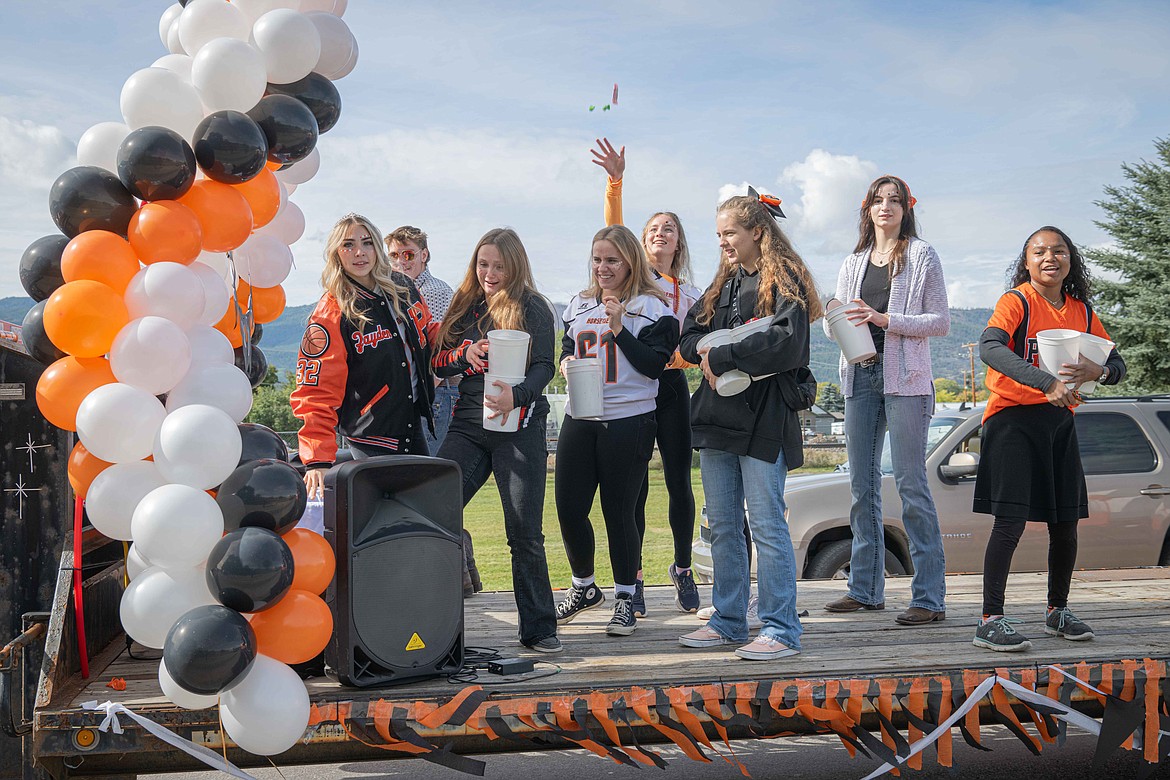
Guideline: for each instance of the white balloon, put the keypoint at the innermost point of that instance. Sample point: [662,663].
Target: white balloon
[174,45]
[175,526]
[215,293]
[157,96]
[118,423]
[208,345]
[229,74]
[268,711]
[179,695]
[203,21]
[290,44]
[198,445]
[99,145]
[335,7]
[348,67]
[254,9]
[170,290]
[288,226]
[214,384]
[337,43]
[136,563]
[114,494]
[302,170]
[176,63]
[263,260]
[158,597]
[169,17]
[289,189]
[216,260]
[150,353]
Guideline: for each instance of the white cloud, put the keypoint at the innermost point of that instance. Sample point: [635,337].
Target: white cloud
[32,155]
[823,220]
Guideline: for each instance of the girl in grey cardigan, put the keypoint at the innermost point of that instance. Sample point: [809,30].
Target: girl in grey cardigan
[894,283]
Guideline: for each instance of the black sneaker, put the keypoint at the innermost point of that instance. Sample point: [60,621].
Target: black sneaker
[686,593]
[1000,636]
[1062,622]
[577,600]
[548,644]
[623,621]
[639,600]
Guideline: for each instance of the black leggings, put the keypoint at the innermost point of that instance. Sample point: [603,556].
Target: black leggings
[997,561]
[673,415]
[612,456]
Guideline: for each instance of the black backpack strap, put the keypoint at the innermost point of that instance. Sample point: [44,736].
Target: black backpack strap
[1020,337]
[1088,317]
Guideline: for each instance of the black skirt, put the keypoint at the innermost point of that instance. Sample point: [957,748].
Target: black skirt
[1030,466]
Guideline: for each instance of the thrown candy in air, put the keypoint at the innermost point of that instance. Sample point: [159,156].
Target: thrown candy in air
[606,108]
[592,107]
[614,101]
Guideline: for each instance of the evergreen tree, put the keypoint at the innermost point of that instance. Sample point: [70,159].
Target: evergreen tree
[270,403]
[1136,310]
[829,397]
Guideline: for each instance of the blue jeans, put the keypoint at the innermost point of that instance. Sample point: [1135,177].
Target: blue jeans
[727,480]
[869,412]
[443,410]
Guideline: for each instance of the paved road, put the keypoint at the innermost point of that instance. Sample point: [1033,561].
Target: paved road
[804,758]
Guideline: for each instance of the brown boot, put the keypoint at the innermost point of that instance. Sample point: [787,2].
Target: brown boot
[850,604]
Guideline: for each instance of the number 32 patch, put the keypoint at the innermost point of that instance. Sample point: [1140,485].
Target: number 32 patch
[307,371]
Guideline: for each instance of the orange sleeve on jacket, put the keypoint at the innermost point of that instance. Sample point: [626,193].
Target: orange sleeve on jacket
[322,374]
[613,202]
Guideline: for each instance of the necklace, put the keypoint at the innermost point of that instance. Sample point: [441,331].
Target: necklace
[881,259]
[1056,304]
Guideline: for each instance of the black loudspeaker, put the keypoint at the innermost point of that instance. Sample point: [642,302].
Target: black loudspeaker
[396,526]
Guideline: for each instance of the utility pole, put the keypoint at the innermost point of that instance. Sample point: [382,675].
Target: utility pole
[971,356]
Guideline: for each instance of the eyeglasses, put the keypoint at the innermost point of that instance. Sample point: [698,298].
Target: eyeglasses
[405,256]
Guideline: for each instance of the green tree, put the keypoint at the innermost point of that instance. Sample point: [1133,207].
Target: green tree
[1134,309]
[949,391]
[270,402]
[829,397]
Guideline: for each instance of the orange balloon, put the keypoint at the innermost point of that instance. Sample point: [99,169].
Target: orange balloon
[313,562]
[101,257]
[267,302]
[165,231]
[223,213]
[229,325]
[263,194]
[65,384]
[83,317]
[83,467]
[273,165]
[295,630]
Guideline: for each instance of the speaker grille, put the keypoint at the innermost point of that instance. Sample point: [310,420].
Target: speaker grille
[405,586]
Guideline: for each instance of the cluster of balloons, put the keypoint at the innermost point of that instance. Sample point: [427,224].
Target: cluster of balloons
[175,233]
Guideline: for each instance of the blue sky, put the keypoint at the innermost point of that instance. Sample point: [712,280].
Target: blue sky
[462,116]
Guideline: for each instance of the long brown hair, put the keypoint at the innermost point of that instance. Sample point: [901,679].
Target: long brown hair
[781,269]
[680,265]
[866,232]
[506,307]
[630,249]
[343,289]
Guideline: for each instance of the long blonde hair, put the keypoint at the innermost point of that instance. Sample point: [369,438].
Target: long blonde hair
[506,307]
[781,269]
[641,279]
[343,289]
[680,264]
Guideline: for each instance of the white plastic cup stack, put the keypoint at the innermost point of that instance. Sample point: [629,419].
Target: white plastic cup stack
[1058,346]
[584,381]
[497,423]
[731,382]
[747,329]
[1096,349]
[508,352]
[855,341]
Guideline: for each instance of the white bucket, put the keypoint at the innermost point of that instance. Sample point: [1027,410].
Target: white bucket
[508,352]
[1058,346]
[731,382]
[496,423]
[584,380]
[1096,349]
[855,341]
[749,328]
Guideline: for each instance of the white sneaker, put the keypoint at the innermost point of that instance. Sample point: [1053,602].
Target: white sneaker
[753,613]
[765,648]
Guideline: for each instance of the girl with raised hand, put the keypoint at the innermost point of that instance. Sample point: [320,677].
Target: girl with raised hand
[748,442]
[498,291]
[623,320]
[665,243]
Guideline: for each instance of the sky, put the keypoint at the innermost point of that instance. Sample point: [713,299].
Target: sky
[464,116]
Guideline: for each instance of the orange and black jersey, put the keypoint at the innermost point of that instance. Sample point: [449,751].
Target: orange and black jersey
[356,378]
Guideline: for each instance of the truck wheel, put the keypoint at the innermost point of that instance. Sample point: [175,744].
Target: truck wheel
[832,562]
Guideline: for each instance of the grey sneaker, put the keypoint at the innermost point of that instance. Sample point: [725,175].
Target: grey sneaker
[686,593]
[548,644]
[577,600]
[623,621]
[1000,636]
[1062,622]
[639,600]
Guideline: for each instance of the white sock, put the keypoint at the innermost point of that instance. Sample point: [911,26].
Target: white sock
[579,582]
[620,589]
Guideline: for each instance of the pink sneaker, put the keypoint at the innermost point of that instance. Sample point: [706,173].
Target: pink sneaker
[704,637]
[765,648]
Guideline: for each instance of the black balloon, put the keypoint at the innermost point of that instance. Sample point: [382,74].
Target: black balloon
[155,163]
[318,94]
[230,147]
[262,494]
[289,126]
[36,341]
[90,198]
[257,368]
[249,569]
[209,649]
[261,442]
[40,266]
[257,332]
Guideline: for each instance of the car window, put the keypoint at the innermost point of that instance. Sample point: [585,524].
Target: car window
[1165,418]
[1113,443]
[936,432]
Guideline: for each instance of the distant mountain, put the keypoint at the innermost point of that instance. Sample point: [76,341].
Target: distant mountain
[14,309]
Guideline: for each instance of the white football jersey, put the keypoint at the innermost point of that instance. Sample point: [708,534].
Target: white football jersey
[680,296]
[625,391]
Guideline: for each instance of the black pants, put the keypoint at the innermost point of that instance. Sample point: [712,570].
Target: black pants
[613,456]
[673,415]
[997,561]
